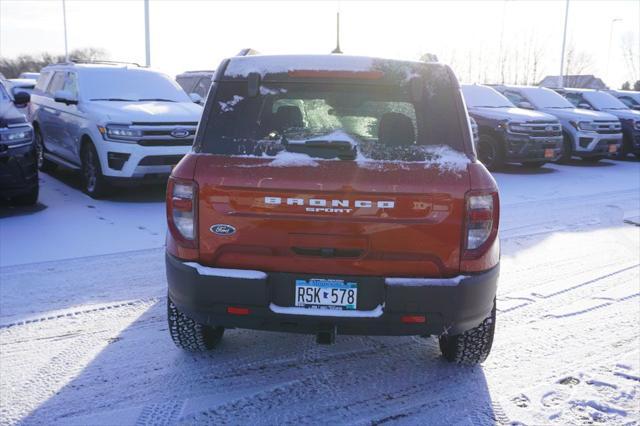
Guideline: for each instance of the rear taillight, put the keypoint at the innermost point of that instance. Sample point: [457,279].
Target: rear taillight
[182,197]
[481,226]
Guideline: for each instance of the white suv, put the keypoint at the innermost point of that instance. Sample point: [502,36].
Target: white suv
[113,122]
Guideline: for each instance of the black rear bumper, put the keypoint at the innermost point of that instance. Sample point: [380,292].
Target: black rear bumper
[453,305]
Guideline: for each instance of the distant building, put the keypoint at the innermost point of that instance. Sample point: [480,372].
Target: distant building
[574,81]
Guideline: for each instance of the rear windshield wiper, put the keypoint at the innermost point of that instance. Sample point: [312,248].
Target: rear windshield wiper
[113,99]
[322,148]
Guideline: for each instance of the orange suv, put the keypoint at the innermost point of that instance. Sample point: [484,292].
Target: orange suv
[330,195]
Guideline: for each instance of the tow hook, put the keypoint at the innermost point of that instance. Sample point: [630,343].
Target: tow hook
[326,336]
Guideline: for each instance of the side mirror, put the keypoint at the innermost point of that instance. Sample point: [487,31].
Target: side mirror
[21,99]
[525,105]
[583,105]
[64,97]
[195,98]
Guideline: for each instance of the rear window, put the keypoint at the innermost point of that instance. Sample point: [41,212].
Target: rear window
[342,120]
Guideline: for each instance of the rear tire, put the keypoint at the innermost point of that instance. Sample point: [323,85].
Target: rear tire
[27,199]
[190,335]
[472,346]
[93,182]
[491,152]
[534,164]
[43,164]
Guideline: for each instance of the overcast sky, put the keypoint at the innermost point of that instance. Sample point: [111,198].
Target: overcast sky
[188,35]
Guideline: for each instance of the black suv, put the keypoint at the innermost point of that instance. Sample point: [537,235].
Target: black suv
[18,169]
[509,134]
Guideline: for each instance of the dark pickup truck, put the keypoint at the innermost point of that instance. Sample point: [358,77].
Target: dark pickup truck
[509,134]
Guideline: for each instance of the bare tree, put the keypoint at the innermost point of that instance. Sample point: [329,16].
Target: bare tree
[631,55]
[577,61]
[12,68]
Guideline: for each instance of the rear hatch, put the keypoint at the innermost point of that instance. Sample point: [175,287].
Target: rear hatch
[320,173]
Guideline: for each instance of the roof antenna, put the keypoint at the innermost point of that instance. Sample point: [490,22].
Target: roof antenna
[337,49]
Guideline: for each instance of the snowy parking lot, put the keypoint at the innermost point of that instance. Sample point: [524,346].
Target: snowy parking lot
[84,340]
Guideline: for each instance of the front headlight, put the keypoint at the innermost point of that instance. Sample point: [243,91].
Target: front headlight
[587,125]
[518,128]
[16,136]
[120,132]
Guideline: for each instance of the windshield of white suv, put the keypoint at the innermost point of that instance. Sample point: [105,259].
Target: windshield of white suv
[122,85]
[484,97]
[546,98]
[324,120]
[602,100]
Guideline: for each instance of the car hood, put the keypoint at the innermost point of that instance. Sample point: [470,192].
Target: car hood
[148,112]
[579,114]
[515,114]
[9,114]
[625,114]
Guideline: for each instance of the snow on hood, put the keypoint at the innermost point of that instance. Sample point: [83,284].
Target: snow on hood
[579,114]
[625,114]
[519,114]
[160,112]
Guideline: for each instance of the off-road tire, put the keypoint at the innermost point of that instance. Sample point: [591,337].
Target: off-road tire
[94,183]
[43,164]
[472,346]
[534,164]
[28,198]
[491,152]
[190,335]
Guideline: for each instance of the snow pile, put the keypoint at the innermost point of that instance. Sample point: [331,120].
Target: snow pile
[292,159]
[443,157]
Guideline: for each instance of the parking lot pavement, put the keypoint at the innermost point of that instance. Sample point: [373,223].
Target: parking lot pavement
[84,340]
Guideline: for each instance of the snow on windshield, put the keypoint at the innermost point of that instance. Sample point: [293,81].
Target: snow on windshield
[129,84]
[243,66]
[546,98]
[602,100]
[483,96]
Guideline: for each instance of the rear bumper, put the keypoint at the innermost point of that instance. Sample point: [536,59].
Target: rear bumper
[453,305]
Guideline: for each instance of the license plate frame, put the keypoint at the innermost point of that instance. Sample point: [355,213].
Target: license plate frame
[326,293]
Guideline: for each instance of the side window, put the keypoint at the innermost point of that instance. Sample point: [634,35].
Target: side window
[186,83]
[71,84]
[202,88]
[42,81]
[57,82]
[628,101]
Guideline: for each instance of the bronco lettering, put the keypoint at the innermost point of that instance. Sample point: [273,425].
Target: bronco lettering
[339,206]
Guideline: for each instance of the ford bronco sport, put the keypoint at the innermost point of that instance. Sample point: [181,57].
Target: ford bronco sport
[333,195]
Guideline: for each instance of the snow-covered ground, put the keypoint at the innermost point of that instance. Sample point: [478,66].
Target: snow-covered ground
[83,335]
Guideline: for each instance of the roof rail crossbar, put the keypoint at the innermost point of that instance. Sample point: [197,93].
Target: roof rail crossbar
[105,62]
[247,52]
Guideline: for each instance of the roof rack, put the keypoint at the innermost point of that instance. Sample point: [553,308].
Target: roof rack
[97,62]
[196,71]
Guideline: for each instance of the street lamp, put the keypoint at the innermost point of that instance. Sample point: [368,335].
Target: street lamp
[564,42]
[613,21]
[64,21]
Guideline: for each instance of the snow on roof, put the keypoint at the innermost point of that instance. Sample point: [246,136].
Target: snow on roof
[241,66]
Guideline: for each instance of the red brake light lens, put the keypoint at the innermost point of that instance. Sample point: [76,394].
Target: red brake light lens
[181,211]
[481,223]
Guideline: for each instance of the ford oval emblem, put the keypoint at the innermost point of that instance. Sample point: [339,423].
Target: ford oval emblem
[223,229]
[179,133]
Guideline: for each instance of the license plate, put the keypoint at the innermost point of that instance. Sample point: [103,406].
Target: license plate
[613,148]
[548,153]
[326,294]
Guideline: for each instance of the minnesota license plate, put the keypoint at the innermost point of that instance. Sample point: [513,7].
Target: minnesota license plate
[326,294]
[548,153]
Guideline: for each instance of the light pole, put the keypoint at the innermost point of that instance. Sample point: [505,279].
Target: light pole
[613,21]
[564,42]
[64,20]
[147,41]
